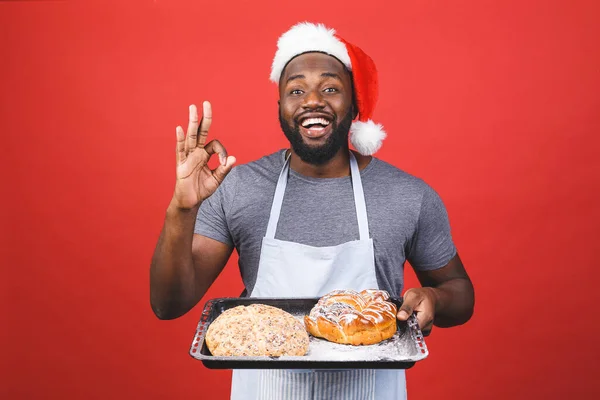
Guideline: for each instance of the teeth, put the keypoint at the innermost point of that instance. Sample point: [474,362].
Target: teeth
[313,121]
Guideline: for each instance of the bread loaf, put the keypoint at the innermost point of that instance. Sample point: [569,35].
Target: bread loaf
[350,317]
[256,330]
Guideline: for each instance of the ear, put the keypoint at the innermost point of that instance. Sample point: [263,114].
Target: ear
[354,104]
[354,107]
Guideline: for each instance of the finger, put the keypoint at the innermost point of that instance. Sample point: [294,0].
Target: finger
[410,301]
[180,150]
[214,146]
[192,131]
[205,125]
[222,170]
[426,330]
[424,319]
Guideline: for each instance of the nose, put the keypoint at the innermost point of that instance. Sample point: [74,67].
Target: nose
[313,99]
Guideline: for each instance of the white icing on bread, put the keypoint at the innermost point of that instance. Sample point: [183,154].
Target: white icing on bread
[350,317]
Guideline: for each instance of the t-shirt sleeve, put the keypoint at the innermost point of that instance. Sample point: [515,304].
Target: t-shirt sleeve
[431,246]
[211,220]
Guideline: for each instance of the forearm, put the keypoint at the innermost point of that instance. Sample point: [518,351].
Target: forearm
[454,302]
[172,274]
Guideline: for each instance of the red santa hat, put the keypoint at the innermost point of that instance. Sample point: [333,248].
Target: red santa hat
[365,135]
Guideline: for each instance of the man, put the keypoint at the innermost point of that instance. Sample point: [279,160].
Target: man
[312,218]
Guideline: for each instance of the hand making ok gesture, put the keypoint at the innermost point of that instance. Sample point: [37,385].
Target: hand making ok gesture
[195,180]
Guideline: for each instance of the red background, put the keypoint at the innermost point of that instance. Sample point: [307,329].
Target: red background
[495,104]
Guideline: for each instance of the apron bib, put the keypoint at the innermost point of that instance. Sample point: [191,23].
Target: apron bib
[288,269]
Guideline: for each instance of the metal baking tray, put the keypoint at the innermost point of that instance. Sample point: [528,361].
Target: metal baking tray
[402,351]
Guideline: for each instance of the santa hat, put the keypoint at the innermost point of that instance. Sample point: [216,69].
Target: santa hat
[365,135]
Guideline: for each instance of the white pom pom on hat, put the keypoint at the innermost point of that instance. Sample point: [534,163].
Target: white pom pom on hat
[365,135]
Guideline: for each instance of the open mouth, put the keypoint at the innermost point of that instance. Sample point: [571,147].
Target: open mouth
[315,127]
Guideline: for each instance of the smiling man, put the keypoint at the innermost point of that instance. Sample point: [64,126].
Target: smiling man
[316,126]
[312,218]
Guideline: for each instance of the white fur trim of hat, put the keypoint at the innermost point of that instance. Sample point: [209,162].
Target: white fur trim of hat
[365,135]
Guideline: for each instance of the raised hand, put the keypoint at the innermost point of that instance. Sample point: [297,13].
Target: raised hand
[195,180]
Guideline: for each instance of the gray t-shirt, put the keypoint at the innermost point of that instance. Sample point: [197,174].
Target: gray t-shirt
[407,219]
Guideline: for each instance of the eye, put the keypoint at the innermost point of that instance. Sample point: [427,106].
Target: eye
[296,91]
[330,90]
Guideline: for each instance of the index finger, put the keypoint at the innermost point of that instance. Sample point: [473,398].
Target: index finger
[205,124]
[409,302]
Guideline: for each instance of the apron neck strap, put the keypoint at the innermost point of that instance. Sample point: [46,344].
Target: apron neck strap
[357,188]
[359,199]
[278,198]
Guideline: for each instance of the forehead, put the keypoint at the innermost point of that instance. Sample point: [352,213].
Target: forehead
[314,63]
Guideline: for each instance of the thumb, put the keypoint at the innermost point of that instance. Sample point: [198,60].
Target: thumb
[410,301]
[223,169]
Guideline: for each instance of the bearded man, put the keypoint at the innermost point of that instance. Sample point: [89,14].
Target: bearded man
[311,218]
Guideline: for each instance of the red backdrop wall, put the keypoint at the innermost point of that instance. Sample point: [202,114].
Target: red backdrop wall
[495,104]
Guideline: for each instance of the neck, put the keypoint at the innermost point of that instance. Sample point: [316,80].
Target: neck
[337,167]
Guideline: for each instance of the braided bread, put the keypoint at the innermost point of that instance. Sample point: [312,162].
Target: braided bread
[350,317]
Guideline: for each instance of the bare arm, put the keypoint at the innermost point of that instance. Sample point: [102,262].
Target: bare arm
[455,294]
[184,265]
[446,299]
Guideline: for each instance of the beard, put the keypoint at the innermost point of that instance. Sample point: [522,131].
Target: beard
[318,155]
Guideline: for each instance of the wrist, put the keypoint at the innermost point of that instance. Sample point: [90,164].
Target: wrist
[175,209]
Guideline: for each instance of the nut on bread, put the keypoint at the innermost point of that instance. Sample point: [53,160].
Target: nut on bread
[256,330]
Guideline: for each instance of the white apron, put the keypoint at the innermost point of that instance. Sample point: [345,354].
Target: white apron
[288,269]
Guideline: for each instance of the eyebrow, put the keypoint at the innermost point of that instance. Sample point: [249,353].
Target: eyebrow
[331,75]
[324,74]
[291,78]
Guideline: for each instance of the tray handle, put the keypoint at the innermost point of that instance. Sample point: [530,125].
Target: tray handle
[201,328]
[413,325]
